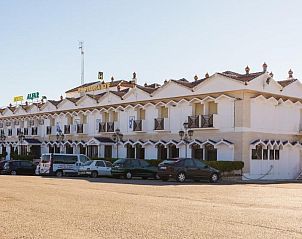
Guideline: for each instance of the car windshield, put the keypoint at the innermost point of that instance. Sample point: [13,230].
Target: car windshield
[87,163]
[120,161]
[170,161]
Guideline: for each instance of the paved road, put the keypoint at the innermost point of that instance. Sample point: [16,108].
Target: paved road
[37,207]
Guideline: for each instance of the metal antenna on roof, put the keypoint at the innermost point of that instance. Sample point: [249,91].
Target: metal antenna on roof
[81,47]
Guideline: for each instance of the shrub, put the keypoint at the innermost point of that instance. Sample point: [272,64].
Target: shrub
[226,166]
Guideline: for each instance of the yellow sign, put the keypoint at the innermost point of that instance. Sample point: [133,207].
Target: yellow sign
[94,87]
[18,98]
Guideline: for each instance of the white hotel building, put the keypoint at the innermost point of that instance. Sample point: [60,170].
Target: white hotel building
[247,117]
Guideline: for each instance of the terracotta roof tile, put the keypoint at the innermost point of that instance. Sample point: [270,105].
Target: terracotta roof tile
[55,102]
[242,77]
[285,83]
[146,89]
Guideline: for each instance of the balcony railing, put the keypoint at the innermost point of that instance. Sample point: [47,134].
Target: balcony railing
[80,128]
[110,126]
[201,121]
[159,124]
[207,121]
[48,130]
[102,127]
[34,131]
[193,121]
[19,131]
[137,125]
[66,129]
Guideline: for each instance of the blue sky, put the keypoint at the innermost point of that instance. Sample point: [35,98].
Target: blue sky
[157,39]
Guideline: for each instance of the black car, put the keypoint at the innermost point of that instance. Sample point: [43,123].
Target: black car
[129,168]
[22,167]
[2,164]
[187,168]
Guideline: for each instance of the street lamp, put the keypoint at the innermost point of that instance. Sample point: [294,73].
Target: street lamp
[60,137]
[117,137]
[186,135]
[2,137]
[21,137]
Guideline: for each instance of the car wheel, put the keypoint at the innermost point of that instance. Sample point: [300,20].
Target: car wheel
[181,177]
[59,174]
[94,174]
[214,178]
[128,175]
[13,172]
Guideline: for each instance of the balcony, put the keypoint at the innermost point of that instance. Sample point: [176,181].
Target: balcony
[34,131]
[159,124]
[102,127]
[67,129]
[137,125]
[48,130]
[201,121]
[193,121]
[9,132]
[110,127]
[80,128]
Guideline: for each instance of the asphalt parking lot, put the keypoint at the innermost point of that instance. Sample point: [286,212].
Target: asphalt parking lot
[38,207]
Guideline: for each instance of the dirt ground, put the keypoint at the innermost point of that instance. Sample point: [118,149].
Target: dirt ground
[37,207]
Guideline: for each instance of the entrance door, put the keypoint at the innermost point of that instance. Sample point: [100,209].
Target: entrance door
[130,151]
[108,152]
[161,152]
[210,153]
[140,152]
[173,151]
[35,150]
[197,152]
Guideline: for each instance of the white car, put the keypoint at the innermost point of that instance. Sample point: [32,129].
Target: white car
[95,168]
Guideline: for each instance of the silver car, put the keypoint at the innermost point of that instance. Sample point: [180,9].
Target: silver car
[95,168]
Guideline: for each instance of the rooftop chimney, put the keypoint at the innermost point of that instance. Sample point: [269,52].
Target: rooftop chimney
[145,84]
[61,97]
[247,70]
[133,76]
[264,66]
[207,75]
[271,74]
[112,78]
[196,77]
[290,74]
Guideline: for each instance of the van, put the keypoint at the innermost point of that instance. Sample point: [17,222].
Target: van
[61,164]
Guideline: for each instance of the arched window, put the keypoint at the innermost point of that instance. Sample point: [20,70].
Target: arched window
[257,152]
[210,152]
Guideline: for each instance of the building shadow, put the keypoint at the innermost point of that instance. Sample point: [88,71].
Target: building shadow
[153,182]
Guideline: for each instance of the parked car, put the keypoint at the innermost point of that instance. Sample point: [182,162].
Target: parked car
[19,167]
[187,168]
[95,168]
[61,164]
[2,162]
[129,168]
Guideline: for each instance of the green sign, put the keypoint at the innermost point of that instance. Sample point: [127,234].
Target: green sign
[33,96]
